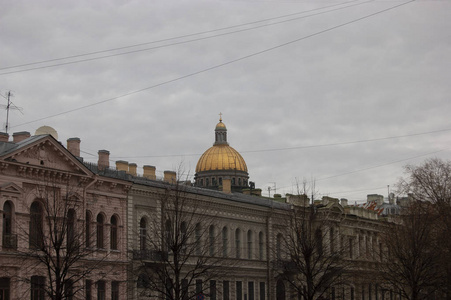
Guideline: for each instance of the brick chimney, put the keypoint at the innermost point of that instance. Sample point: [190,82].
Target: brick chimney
[149,172]
[122,165]
[73,145]
[104,159]
[20,136]
[170,176]
[132,169]
[4,137]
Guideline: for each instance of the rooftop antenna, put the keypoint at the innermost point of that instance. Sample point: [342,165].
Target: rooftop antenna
[272,188]
[9,106]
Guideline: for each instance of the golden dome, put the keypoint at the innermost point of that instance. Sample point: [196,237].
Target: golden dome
[221,157]
[220,125]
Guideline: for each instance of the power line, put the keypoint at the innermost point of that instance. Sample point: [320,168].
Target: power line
[222,64]
[346,143]
[299,147]
[373,167]
[170,39]
[382,165]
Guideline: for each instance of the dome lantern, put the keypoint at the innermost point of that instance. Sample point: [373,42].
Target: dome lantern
[220,133]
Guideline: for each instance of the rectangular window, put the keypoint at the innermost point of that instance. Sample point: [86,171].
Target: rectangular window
[239,290]
[169,289]
[213,289]
[4,288]
[88,289]
[69,290]
[185,289]
[37,288]
[115,290]
[199,290]
[225,290]
[101,290]
[262,291]
[250,290]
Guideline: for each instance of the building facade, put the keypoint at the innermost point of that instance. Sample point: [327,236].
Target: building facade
[62,223]
[131,227]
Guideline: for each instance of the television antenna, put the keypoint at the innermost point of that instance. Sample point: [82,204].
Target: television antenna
[9,106]
[273,187]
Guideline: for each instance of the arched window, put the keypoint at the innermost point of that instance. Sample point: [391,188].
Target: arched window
[238,243]
[88,230]
[183,236]
[100,232]
[142,233]
[260,246]
[207,182]
[239,181]
[70,229]
[168,236]
[279,247]
[211,242]
[319,241]
[9,240]
[36,238]
[250,244]
[332,240]
[280,290]
[113,233]
[197,236]
[143,281]
[225,241]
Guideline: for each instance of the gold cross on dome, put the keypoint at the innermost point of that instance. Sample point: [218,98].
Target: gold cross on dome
[220,117]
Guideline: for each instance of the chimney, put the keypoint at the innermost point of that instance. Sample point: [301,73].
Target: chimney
[149,172]
[104,160]
[170,176]
[4,137]
[227,185]
[73,145]
[132,169]
[379,199]
[344,202]
[20,136]
[299,200]
[122,165]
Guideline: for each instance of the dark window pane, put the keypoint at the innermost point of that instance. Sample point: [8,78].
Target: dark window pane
[101,290]
[239,290]
[115,290]
[262,291]
[226,290]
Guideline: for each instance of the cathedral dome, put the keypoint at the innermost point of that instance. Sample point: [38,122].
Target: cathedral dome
[220,162]
[221,157]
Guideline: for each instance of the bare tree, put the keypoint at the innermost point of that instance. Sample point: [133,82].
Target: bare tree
[180,261]
[56,238]
[411,262]
[314,254]
[431,182]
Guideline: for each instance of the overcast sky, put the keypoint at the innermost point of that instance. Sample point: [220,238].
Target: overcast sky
[344,92]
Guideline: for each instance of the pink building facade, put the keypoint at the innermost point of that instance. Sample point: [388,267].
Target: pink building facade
[43,186]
